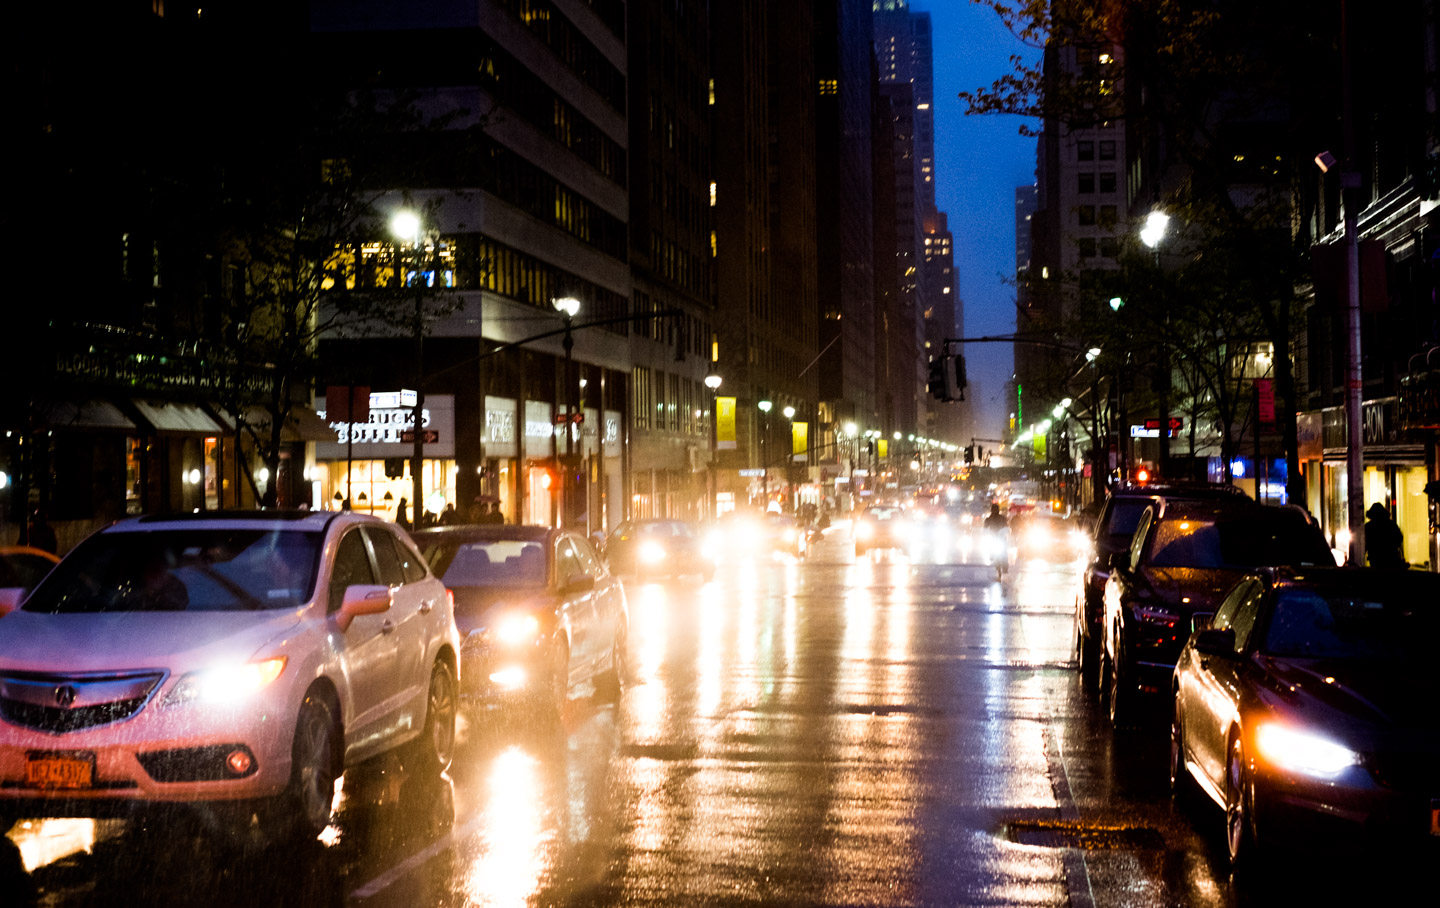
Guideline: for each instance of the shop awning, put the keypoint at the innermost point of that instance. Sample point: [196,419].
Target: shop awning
[304,424]
[83,414]
[176,418]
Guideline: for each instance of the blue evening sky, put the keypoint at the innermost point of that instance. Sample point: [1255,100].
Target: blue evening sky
[978,163]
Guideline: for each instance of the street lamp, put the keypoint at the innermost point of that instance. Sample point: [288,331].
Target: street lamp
[712,381]
[765,406]
[1151,234]
[405,225]
[568,306]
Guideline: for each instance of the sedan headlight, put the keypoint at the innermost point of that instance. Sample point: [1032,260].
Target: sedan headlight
[1302,752]
[226,684]
[652,552]
[514,630]
[864,530]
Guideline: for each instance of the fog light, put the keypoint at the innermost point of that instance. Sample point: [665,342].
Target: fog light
[508,678]
[240,762]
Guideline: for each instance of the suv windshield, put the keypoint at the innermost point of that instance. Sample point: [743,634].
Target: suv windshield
[1257,540]
[182,570]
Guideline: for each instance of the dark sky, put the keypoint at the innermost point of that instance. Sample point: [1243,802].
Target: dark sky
[979,162]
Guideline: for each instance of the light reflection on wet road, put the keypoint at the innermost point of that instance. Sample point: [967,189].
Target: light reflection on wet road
[833,732]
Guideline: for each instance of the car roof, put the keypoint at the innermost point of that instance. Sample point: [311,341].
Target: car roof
[269,519]
[1423,585]
[1177,490]
[485,532]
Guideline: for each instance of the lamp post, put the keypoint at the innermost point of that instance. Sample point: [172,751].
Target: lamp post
[568,306]
[712,381]
[789,413]
[1151,235]
[765,406]
[405,225]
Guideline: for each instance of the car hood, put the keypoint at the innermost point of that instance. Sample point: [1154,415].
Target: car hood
[1370,692]
[477,606]
[115,641]
[1205,588]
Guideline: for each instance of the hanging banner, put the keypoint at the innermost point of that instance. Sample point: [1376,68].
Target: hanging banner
[800,440]
[1040,447]
[1265,395]
[725,423]
[882,447]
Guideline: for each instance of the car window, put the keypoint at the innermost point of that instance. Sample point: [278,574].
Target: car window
[1124,516]
[1238,612]
[352,566]
[1142,529]
[567,563]
[518,563]
[410,564]
[1226,612]
[1272,539]
[386,560]
[190,570]
[588,558]
[1377,626]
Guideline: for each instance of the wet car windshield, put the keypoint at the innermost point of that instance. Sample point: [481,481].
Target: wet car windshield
[488,562]
[1254,541]
[1315,625]
[191,570]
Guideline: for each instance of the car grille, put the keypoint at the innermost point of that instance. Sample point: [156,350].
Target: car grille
[65,703]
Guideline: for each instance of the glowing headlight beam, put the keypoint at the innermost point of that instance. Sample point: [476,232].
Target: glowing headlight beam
[1302,752]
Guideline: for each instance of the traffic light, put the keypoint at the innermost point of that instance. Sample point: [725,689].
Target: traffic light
[969,453]
[937,385]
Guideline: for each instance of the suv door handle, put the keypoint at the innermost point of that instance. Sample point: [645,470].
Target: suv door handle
[388,627]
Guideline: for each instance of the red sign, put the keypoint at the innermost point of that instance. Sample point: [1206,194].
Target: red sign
[1176,424]
[347,403]
[430,437]
[1265,396]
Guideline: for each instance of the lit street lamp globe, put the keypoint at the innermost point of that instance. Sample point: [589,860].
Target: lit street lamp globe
[712,381]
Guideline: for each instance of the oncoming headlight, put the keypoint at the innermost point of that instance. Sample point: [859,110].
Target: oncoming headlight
[1301,752]
[514,630]
[864,529]
[226,683]
[652,552]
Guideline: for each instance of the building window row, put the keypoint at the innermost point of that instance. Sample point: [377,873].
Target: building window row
[1085,150]
[677,264]
[612,13]
[1086,183]
[526,186]
[519,89]
[1093,216]
[1108,247]
[663,401]
[549,25]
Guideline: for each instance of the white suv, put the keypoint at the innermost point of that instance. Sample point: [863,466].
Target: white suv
[241,660]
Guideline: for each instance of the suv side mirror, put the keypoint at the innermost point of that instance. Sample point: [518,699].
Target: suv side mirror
[362,599]
[1215,642]
[582,584]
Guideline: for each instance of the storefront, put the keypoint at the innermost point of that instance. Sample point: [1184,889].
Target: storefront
[369,462]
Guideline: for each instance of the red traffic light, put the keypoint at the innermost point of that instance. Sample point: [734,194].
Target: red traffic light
[1142,475]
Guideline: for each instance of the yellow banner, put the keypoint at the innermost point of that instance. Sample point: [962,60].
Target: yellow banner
[725,423]
[800,440]
[882,447]
[1040,448]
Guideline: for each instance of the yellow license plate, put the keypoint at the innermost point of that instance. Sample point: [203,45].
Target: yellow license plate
[56,772]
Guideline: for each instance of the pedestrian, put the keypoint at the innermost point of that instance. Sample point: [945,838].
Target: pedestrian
[494,515]
[41,535]
[476,512]
[402,515]
[450,516]
[1384,543]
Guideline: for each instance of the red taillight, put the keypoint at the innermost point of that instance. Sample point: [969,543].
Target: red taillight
[450,594]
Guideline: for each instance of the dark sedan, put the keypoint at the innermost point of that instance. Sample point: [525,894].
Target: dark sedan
[1308,707]
[537,610]
[1184,557]
[659,548]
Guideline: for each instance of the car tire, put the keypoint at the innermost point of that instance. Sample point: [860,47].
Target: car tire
[303,810]
[1087,658]
[432,752]
[556,690]
[1241,843]
[610,684]
[1119,695]
[1182,786]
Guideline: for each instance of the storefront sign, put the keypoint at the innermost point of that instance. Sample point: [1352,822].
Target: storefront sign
[612,440]
[539,431]
[1265,397]
[384,433]
[500,435]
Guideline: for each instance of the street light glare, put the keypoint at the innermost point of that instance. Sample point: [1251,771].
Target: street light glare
[850,429]
[568,305]
[712,381]
[1154,230]
[765,406]
[789,412]
[1092,354]
[405,224]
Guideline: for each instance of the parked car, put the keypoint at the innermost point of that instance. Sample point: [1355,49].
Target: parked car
[1307,708]
[1184,557]
[23,566]
[1113,532]
[881,527]
[659,548]
[237,660]
[537,609]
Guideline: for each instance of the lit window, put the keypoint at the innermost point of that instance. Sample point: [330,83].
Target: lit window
[712,193]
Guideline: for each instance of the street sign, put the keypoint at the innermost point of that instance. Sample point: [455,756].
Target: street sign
[1176,424]
[430,437]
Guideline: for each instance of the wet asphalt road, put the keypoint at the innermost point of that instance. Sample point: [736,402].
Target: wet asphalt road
[896,730]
